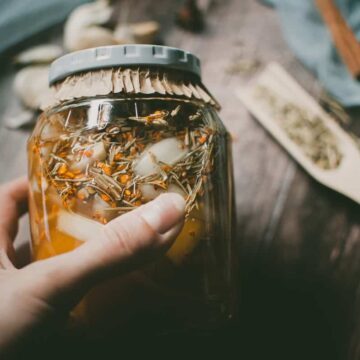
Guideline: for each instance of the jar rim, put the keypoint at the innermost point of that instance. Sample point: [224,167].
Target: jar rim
[124,55]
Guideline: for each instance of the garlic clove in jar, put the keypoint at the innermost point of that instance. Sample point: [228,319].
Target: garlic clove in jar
[95,152]
[53,197]
[34,185]
[98,151]
[99,207]
[79,227]
[52,129]
[81,164]
[150,192]
[168,151]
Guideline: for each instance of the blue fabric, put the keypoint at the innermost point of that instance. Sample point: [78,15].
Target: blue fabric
[311,42]
[19,19]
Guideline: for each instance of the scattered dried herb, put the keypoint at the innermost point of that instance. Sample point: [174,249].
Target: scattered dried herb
[334,108]
[243,66]
[308,131]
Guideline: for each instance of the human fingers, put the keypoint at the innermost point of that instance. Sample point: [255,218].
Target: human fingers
[13,204]
[125,243]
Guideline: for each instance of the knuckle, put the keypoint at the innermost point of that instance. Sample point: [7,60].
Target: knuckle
[5,191]
[151,236]
[5,262]
[132,237]
[118,239]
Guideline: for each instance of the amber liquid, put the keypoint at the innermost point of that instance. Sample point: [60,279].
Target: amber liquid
[119,300]
[182,289]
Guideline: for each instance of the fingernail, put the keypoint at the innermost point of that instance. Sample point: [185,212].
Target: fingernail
[165,212]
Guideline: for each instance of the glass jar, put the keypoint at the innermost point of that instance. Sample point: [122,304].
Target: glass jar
[96,154]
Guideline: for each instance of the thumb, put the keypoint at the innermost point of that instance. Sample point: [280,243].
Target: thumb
[127,242]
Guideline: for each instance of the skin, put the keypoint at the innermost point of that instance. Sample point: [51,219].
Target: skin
[32,302]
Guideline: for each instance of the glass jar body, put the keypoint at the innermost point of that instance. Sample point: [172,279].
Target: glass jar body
[95,159]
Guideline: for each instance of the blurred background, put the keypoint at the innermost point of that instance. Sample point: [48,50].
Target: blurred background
[299,242]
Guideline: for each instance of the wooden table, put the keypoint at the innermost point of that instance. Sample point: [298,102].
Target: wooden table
[299,242]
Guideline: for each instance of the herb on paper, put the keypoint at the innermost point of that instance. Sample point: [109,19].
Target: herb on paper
[308,131]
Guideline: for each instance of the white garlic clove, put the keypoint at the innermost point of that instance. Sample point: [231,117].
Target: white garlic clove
[53,196]
[123,34]
[34,185]
[52,129]
[44,185]
[173,188]
[79,227]
[45,151]
[99,208]
[97,153]
[92,37]
[145,32]
[31,85]
[81,164]
[82,28]
[99,204]
[168,151]
[24,118]
[150,192]
[41,54]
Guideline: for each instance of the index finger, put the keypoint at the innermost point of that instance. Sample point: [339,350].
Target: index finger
[13,204]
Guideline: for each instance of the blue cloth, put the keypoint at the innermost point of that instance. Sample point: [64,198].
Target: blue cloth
[19,19]
[311,42]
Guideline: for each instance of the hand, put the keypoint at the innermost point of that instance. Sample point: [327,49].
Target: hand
[41,294]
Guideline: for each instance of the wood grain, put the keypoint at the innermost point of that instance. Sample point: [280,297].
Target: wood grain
[343,37]
[299,242]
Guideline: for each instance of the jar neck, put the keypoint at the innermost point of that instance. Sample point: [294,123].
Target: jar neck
[117,99]
[134,82]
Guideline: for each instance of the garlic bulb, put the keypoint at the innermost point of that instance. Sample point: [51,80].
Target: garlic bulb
[41,54]
[123,34]
[82,29]
[144,32]
[31,86]
[79,227]
[92,37]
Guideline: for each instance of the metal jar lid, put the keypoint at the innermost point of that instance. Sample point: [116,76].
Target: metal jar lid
[123,55]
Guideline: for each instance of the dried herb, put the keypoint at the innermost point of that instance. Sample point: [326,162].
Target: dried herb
[339,114]
[243,66]
[334,108]
[308,131]
[100,163]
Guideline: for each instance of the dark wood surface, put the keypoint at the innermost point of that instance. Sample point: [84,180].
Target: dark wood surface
[299,242]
